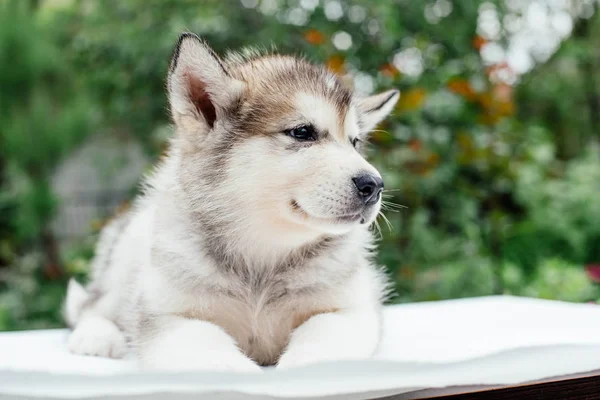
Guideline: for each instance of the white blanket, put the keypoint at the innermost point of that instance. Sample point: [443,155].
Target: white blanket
[484,341]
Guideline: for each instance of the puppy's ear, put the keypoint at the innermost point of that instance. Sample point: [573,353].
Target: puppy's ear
[374,109]
[200,88]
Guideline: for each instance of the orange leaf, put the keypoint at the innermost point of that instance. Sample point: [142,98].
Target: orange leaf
[415,145]
[489,119]
[314,37]
[463,88]
[496,103]
[478,42]
[412,100]
[389,70]
[433,160]
[486,100]
[336,64]
[503,92]
[506,109]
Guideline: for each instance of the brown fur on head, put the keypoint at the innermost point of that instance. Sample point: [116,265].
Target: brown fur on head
[268,146]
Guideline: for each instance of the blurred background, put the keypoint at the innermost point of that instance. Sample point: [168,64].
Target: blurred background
[493,147]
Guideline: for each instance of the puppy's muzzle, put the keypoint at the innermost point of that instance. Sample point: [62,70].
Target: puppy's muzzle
[369,188]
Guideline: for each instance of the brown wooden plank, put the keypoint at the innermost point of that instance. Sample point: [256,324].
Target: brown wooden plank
[585,388]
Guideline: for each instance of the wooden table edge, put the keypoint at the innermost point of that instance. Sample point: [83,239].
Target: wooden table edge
[584,386]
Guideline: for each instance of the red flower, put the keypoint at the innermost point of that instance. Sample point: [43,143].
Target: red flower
[593,272]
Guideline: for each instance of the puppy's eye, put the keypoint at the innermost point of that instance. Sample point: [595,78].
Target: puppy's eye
[303,133]
[355,142]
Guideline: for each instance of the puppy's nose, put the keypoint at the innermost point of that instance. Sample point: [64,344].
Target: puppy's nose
[369,188]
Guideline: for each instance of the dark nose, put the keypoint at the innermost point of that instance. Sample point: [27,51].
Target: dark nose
[369,188]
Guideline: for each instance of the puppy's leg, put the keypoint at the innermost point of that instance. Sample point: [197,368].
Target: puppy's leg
[341,335]
[177,344]
[94,334]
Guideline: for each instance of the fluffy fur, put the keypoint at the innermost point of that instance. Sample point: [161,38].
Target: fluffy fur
[249,247]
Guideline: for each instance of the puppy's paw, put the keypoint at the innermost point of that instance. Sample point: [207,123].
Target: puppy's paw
[97,336]
[192,345]
[331,337]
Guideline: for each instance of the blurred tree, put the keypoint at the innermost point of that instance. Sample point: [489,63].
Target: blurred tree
[563,94]
[43,115]
[497,171]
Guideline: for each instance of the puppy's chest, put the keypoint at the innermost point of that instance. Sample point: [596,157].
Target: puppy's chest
[261,317]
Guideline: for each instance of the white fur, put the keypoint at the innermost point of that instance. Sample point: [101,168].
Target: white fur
[372,113]
[77,298]
[352,333]
[319,111]
[212,348]
[188,296]
[97,336]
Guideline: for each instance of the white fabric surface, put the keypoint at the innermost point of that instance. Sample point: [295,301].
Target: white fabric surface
[482,341]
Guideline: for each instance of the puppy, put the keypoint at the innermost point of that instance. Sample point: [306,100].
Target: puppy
[251,244]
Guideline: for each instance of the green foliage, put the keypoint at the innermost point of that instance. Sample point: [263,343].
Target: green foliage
[563,218]
[556,280]
[43,116]
[498,188]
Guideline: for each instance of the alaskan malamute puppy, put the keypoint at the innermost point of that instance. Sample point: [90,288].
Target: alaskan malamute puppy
[251,245]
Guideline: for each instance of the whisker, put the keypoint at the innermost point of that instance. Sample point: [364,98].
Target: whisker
[387,221]
[377,229]
[392,204]
[379,232]
[380,130]
[389,224]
